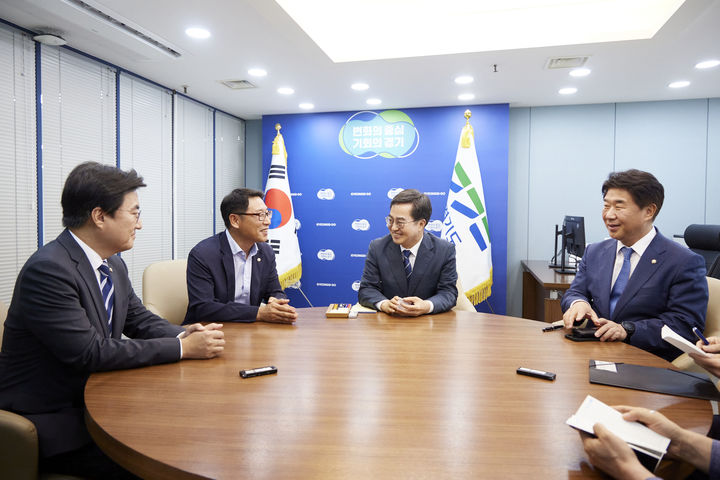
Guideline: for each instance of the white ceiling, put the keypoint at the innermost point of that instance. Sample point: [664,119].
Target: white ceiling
[252,33]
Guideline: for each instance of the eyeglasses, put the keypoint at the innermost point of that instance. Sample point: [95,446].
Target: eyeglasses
[134,213]
[389,221]
[261,216]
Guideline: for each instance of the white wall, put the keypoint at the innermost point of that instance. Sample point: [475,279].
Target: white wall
[559,156]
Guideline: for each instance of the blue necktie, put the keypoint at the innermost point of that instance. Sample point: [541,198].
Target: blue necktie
[108,292]
[406,262]
[622,279]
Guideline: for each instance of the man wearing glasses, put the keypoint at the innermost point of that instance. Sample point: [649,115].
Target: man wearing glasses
[231,276]
[408,272]
[72,302]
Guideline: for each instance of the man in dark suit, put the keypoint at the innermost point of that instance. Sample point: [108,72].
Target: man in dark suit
[408,272]
[71,303]
[637,281]
[230,274]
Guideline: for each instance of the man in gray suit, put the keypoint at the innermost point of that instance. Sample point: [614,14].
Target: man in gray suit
[71,303]
[409,272]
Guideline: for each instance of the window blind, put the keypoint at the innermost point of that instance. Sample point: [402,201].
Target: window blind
[18,160]
[229,160]
[193,211]
[78,123]
[146,145]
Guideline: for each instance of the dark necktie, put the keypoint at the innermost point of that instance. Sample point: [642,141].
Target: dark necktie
[108,292]
[406,262]
[622,279]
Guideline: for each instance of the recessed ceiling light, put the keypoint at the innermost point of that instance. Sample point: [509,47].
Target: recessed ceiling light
[373,101]
[567,91]
[306,106]
[285,91]
[359,86]
[197,32]
[580,72]
[464,79]
[257,72]
[466,96]
[707,64]
[679,84]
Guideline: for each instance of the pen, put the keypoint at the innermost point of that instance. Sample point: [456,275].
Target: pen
[554,326]
[700,336]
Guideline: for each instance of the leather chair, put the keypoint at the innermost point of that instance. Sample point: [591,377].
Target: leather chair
[18,447]
[463,303]
[3,316]
[705,240]
[712,326]
[19,450]
[164,290]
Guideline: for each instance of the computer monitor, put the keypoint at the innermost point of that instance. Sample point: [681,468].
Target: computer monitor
[574,228]
[572,237]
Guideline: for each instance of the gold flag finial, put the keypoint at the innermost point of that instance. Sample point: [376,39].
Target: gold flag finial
[276,146]
[467,131]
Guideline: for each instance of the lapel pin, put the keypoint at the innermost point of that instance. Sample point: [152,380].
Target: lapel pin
[258,259]
[653,261]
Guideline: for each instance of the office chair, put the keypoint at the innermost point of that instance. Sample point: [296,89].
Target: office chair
[705,240]
[712,326]
[19,450]
[165,290]
[463,303]
[3,316]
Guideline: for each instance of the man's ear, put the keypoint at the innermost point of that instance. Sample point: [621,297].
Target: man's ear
[651,210]
[97,217]
[234,220]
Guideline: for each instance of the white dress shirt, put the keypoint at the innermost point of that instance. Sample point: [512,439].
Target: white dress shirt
[243,269]
[638,249]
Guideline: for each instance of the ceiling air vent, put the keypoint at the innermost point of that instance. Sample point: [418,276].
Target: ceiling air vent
[565,62]
[123,25]
[237,84]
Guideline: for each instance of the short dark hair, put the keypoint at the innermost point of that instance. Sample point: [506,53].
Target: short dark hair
[643,187]
[237,202]
[421,206]
[91,185]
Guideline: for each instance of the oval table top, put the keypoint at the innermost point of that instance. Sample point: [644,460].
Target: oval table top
[373,397]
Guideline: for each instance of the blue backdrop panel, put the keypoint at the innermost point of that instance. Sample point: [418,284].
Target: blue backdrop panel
[341,200]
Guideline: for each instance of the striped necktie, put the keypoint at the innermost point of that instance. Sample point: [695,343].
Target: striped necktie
[406,262]
[622,279]
[108,292]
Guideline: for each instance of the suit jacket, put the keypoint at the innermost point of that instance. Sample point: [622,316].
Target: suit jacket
[667,287]
[56,335]
[211,282]
[433,277]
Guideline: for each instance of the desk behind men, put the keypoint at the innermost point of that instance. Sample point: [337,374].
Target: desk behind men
[543,289]
[373,397]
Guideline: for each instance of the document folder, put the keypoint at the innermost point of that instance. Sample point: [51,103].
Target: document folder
[654,379]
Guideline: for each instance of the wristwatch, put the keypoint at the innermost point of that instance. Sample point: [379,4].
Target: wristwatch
[629,329]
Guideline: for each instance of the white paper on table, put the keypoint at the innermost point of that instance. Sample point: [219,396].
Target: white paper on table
[669,335]
[637,435]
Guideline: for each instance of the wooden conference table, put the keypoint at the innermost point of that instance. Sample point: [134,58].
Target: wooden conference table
[373,397]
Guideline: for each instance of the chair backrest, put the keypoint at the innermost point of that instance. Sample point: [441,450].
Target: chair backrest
[712,326]
[705,240]
[3,316]
[165,290]
[712,319]
[18,447]
[463,303]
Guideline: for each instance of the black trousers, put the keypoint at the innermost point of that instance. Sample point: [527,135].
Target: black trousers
[88,462]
